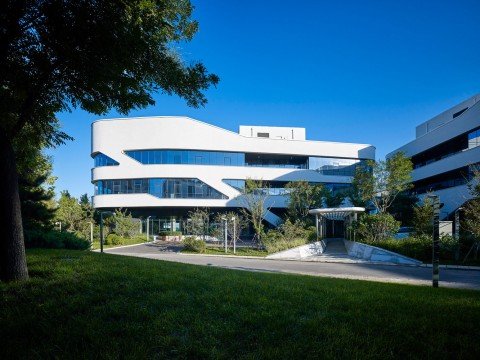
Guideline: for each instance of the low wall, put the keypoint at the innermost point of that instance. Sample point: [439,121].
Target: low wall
[375,254]
[300,252]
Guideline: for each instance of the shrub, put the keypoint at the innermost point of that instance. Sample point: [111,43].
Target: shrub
[72,241]
[419,247]
[55,240]
[114,239]
[139,238]
[377,227]
[448,247]
[274,242]
[194,245]
[288,235]
[311,234]
[422,218]
[125,225]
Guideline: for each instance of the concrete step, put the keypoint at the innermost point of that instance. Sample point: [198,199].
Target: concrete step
[335,247]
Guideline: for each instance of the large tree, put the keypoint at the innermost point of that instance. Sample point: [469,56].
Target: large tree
[37,194]
[382,181]
[254,201]
[471,208]
[302,197]
[96,55]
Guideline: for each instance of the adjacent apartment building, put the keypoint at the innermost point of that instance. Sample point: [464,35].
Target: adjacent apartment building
[166,166]
[444,152]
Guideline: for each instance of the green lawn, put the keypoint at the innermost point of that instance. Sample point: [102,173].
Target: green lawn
[239,251]
[90,305]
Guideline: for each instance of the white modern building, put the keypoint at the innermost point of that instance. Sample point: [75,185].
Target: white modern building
[443,153]
[166,166]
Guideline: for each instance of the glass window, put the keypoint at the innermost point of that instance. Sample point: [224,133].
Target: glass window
[169,157]
[151,157]
[329,166]
[144,157]
[334,166]
[163,188]
[158,157]
[474,139]
[103,160]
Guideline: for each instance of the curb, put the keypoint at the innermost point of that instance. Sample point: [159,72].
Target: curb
[446,267]
[122,246]
[225,256]
[454,267]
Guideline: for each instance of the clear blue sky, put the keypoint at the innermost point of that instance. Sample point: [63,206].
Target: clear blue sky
[354,71]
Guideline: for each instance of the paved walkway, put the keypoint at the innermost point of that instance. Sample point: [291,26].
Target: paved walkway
[384,273]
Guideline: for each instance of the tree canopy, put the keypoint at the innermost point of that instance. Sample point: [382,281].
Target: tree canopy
[57,55]
[97,55]
[302,198]
[382,181]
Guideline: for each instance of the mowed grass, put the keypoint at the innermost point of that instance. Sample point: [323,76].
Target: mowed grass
[90,305]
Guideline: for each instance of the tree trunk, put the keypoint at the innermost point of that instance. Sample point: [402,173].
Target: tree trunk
[13,264]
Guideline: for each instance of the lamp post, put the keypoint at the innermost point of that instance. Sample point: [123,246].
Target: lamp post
[457,232]
[60,224]
[234,236]
[225,219]
[436,237]
[148,229]
[101,227]
[91,233]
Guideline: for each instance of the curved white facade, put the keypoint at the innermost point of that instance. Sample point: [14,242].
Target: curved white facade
[115,137]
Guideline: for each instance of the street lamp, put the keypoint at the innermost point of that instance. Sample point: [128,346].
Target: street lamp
[101,227]
[234,236]
[91,233]
[148,230]
[457,232]
[436,240]
[60,224]
[225,219]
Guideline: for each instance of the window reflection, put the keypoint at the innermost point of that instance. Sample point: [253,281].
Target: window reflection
[162,188]
[279,187]
[103,160]
[334,166]
[474,139]
[326,166]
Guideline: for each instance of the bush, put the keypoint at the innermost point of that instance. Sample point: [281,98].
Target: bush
[274,242]
[288,235]
[114,239]
[311,234]
[139,238]
[194,245]
[448,247]
[53,239]
[169,233]
[419,247]
[376,227]
[422,218]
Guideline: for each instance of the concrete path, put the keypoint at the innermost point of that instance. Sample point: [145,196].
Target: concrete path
[454,278]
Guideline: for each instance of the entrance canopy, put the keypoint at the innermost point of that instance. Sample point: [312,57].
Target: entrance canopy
[336,213]
[334,227]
